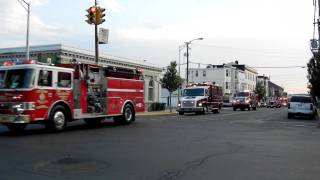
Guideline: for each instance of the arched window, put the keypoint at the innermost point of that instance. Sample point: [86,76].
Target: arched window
[151,90]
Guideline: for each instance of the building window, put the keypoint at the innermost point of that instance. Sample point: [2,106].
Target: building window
[235,75]
[227,72]
[227,85]
[150,90]
[196,73]
[204,73]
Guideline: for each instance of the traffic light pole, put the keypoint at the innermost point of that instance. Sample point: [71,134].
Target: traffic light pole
[96,40]
[96,44]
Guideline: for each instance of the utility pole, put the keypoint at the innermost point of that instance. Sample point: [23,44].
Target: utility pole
[28,25]
[27,6]
[187,44]
[96,38]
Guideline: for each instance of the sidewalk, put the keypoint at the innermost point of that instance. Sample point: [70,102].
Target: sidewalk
[157,113]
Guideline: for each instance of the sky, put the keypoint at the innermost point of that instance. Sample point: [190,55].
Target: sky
[258,33]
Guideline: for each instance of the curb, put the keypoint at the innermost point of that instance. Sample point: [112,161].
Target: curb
[156,114]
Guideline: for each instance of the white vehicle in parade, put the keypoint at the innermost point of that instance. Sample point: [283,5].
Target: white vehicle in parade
[201,98]
[301,105]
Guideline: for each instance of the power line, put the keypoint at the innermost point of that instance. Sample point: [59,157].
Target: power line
[257,67]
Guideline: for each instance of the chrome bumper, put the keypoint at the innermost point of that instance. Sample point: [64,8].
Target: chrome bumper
[19,119]
[193,109]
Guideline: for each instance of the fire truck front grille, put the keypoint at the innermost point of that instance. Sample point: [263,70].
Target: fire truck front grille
[188,104]
[5,106]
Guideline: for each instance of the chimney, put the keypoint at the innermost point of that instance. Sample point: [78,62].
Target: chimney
[237,62]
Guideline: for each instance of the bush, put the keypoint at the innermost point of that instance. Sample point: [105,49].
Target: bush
[156,106]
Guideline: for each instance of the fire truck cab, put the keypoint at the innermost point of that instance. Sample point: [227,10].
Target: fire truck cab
[55,95]
[245,100]
[201,98]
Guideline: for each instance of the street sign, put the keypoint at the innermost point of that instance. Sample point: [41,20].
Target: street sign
[103,35]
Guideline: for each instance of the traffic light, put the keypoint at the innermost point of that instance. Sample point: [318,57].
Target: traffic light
[92,15]
[100,14]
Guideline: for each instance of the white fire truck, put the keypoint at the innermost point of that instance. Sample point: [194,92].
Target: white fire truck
[57,94]
[201,98]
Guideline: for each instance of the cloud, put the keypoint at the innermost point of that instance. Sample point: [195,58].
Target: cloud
[14,21]
[110,5]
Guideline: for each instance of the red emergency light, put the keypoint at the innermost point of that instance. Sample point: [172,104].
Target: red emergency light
[7,63]
[29,62]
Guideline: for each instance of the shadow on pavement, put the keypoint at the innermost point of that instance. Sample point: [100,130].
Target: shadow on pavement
[71,128]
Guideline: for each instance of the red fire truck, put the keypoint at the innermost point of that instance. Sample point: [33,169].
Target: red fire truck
[32,93]
[245,100]
[201,98]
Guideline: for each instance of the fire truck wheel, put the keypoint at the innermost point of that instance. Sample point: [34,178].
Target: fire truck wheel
[205,110]
[181,113]
[254,108]
[127,117]
[16,128]
[57,119]
[234,109]
[216,111]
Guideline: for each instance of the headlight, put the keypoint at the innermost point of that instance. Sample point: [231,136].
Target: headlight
[199,104]
[179,104]
[247,101]
[17,109]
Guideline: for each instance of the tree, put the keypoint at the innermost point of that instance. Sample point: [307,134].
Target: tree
[314,75]
[171,81]
[261,91]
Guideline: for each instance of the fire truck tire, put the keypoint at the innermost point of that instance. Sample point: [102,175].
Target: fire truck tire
[127,116]
[254,108]
[181,113]
[16,128]
[205,110]
[57,119]
[216,111]
[234,109]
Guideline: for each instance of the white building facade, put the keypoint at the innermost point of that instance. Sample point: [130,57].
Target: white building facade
[232,77]
[264,81]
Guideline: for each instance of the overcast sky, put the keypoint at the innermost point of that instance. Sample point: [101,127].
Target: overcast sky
[257,33]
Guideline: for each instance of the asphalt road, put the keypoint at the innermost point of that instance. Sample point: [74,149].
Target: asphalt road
[242,145]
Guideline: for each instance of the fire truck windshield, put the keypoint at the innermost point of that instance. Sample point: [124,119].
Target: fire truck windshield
[242,94]
[17,78]
[193,92]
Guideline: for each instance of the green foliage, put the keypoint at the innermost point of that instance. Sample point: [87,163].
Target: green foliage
[260,90]
[171,80]
[314,75]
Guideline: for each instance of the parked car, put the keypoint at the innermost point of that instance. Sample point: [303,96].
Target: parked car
[301,105]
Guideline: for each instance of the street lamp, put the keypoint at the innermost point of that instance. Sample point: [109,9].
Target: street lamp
[26,6]
[187,44]
[180,48]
